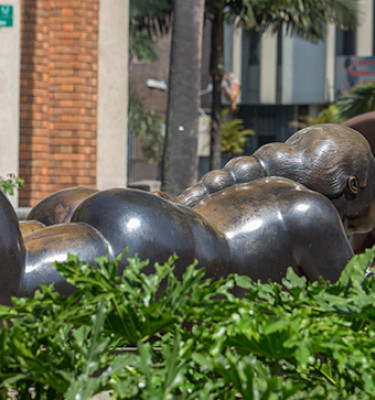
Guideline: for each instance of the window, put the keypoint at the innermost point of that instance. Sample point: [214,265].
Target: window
[254,52]
[345,42]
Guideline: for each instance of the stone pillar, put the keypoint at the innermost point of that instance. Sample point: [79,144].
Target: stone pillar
[112,93]
[365,34]
[330,63]
[9,95]
[268,68]
[237,55]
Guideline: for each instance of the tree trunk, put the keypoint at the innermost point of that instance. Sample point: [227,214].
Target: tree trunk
[180,159]
[217,72]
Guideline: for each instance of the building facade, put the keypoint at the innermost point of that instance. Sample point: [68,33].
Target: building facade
[63,116]
[284,77]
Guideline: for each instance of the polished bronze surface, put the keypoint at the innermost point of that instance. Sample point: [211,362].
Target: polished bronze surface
[275,223]
[12,251]
[154,228]
[290,204]
[50,244]
[59,207]
[30,226]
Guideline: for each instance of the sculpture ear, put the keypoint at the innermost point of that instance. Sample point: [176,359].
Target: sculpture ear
[353,185]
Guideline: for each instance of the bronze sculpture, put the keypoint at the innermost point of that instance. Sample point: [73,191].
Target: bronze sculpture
[290,204]
[364,124]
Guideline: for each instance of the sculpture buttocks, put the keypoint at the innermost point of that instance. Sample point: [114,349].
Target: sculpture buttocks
[275,223]
[287,205]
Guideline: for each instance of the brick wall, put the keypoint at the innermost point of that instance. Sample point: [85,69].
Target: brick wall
[58,105]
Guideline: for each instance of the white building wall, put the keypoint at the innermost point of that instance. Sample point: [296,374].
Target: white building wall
[330,63]
[10,40]
[112,93]
[365,33]
[268,68]
[237,55]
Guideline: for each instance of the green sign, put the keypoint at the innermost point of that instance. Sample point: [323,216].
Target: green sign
[6,16]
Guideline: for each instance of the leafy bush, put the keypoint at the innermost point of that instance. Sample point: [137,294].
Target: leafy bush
[360,99]
[9,184]
[148,126]
[329,115]
[234,136]
[193,339]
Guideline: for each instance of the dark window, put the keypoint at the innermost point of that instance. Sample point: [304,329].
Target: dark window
[345,42]
[279,65]
[254,53]
[279,47]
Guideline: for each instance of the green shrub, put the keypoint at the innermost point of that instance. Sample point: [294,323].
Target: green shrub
[234,136]
[194,340]
[9,184]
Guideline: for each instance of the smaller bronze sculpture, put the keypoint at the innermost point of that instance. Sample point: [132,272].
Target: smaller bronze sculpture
[290,204]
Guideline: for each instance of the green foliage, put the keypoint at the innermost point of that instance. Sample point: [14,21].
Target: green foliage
[329,115]
[234,136]
[153,16]
[148,126]
[9,184]
[143,46]
[148,18]
[358,100]
[193,339]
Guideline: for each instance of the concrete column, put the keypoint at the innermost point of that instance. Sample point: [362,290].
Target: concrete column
[268,68]
[112,93]
[330,63]
[365,35]
[10,95]
[237,56]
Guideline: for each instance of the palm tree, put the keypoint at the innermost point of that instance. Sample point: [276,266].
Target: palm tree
[307,19]
[180,159]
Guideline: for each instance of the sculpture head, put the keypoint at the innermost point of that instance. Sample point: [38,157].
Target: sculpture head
[333,160]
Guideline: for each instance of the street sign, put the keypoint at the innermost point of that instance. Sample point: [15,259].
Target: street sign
[6,16]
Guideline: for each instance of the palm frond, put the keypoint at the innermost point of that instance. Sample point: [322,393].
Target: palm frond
[151,15]
[307,18]
[358,100]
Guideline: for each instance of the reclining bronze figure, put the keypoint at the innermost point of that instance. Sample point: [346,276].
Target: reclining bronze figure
[289,204]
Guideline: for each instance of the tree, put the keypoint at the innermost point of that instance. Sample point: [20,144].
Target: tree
[180,160]
[306,18]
